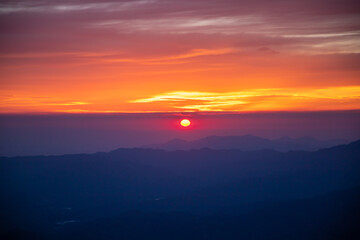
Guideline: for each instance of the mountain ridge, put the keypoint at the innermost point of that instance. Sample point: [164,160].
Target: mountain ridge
[248,143]
[41,191]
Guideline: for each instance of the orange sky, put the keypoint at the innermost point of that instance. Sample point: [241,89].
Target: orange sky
[156,56]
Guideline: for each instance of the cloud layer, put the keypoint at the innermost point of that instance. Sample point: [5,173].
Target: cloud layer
[109,53]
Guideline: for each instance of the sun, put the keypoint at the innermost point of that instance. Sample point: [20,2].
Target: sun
[185,122]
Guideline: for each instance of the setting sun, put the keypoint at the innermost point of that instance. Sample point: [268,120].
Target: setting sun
[185,122]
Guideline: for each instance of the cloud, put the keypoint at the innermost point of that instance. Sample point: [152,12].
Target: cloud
[34,6]
[261,99]
[26,101]
[106,50]
[131,25]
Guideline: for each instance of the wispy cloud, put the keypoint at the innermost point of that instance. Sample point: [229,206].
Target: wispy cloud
[23,101]
[117,57]
[169,59]
[63,7]
[261,99]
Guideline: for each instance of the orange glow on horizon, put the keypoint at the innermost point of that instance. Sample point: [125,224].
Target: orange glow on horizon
[265,99]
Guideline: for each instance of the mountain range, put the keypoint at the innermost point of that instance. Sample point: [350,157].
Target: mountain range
[201,193]
[249,143]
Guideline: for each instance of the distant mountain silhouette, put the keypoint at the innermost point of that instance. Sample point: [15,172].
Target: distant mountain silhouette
[64,195]
[248,143]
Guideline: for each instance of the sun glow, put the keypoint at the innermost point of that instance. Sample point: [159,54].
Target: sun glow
[185,123]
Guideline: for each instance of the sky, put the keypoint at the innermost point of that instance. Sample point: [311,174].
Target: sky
[87,56]
[85,75]
[49,134]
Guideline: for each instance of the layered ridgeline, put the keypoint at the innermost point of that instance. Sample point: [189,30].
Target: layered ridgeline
[206,194]
[249,143]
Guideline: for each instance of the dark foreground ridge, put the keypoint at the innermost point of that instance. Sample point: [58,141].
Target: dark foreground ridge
[197,194]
